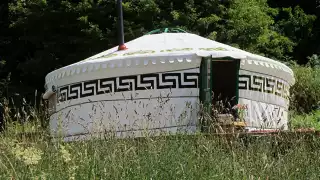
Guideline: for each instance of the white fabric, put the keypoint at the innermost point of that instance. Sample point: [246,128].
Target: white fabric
[137,65]
[125,116]
[269,98]
[129,113]
[265,110]
[151,52]
[199,45]
[261,115]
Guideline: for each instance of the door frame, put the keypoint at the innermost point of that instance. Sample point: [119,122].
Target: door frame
[205,85]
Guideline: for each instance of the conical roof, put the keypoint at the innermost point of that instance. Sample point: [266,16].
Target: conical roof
[157,49]
[172,43]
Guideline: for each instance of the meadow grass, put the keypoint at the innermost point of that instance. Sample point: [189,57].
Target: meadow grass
[197,156]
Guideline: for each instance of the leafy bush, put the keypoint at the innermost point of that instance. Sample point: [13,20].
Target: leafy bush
[305,121]
[314,61]
[305,93]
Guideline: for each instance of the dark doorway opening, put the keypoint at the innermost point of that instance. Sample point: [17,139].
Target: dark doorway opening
[218,90]
[224,83]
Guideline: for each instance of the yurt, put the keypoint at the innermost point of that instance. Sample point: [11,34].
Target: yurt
[156,83]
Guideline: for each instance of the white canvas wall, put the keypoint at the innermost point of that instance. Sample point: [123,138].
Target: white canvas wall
[262,115]
[267,99]
[133,111]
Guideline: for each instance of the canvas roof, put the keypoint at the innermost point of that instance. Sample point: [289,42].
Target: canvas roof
[156,47]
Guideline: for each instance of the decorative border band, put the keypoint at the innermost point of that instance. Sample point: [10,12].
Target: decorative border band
[169,80]
[264,84]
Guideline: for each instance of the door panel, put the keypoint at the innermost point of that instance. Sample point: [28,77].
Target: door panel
[206,84]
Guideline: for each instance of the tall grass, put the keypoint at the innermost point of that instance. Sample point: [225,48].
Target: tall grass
[166,157]
[200,156]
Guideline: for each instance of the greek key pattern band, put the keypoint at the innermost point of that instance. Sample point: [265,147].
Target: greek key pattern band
[264,84]
[89,88]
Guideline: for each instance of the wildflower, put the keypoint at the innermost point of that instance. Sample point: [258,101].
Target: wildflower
[241,109]
[43,176]
[72,172]
[264,157]
[240,106]
[30,155]
[65,154]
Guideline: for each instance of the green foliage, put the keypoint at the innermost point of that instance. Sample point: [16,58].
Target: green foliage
[295,24]
[51,35]
[311,120]
[314,61]
[251,24]
[248,20]
[305,93]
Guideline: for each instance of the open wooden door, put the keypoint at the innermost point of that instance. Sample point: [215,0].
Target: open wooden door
[205,93]
[206,84]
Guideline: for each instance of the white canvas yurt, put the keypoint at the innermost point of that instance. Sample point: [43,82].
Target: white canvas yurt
[156,82]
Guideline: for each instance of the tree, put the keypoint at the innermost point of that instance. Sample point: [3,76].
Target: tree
[49,36]
[297,26]
[250,25]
